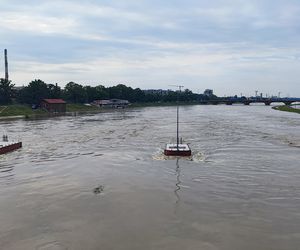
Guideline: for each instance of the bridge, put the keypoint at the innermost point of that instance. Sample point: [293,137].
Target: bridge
[248,101]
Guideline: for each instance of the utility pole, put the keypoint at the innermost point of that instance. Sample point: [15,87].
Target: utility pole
[6,65]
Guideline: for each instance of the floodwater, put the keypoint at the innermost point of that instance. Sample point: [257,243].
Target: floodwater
[100,181]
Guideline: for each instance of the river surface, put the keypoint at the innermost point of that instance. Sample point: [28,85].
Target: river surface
[100,181]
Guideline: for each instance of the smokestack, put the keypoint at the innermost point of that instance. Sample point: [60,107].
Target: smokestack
[6,65]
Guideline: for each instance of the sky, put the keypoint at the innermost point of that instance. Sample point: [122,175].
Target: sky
[230,46]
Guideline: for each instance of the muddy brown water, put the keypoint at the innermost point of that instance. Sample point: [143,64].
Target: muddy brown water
[100,181]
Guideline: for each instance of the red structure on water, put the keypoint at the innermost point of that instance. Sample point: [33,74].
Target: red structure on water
[6,147]
[177,150]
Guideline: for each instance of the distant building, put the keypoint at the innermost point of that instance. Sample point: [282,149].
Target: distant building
[101,103]
[54,105]
[112,103]
[156,91]
[18,88]
[208,92]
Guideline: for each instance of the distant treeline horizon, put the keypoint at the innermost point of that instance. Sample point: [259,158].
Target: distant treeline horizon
[38,90]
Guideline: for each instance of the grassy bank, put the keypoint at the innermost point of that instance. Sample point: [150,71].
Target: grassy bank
[18,110]
[25,111]
[287,108]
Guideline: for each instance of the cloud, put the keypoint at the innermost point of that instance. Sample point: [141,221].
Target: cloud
[35,24]
[204,44]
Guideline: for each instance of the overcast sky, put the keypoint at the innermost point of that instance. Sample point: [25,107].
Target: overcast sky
[230,46]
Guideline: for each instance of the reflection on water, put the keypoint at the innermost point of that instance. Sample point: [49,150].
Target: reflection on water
[176,191]
[101,181]
[51,246]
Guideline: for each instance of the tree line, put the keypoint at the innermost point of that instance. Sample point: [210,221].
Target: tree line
[38,90]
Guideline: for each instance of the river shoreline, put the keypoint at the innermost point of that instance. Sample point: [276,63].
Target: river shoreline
[25,112]
[287,109]
[18,111]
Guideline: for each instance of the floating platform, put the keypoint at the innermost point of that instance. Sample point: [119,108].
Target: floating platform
[177,150]
[6,147]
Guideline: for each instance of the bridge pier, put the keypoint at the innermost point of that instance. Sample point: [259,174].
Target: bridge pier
[287,103]
[267,103]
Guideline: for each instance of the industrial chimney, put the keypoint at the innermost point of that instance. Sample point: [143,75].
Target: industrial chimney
[6,65]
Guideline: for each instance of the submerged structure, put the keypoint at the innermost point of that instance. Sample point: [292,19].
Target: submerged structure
[111,103]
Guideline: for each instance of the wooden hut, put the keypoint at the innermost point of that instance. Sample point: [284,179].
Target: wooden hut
[54,105]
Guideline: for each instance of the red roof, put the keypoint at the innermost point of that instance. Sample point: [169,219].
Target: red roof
[56,101]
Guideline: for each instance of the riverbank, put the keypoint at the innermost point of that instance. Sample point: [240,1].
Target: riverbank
[287,108]
[19,111]
[16,111]
[25,111]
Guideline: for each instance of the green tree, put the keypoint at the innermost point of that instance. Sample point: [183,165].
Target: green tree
[54,91]
[6,91]
[187,96]
[36,91]
[121,91]
[139,95]
[96,93]
[75,93]
[101,92]
[171,96]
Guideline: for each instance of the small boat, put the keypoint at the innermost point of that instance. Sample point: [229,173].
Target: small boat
[178,148]
[8,146]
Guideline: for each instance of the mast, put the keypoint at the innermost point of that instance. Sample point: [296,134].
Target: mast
[177,126]
[179,86]
[177,123]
